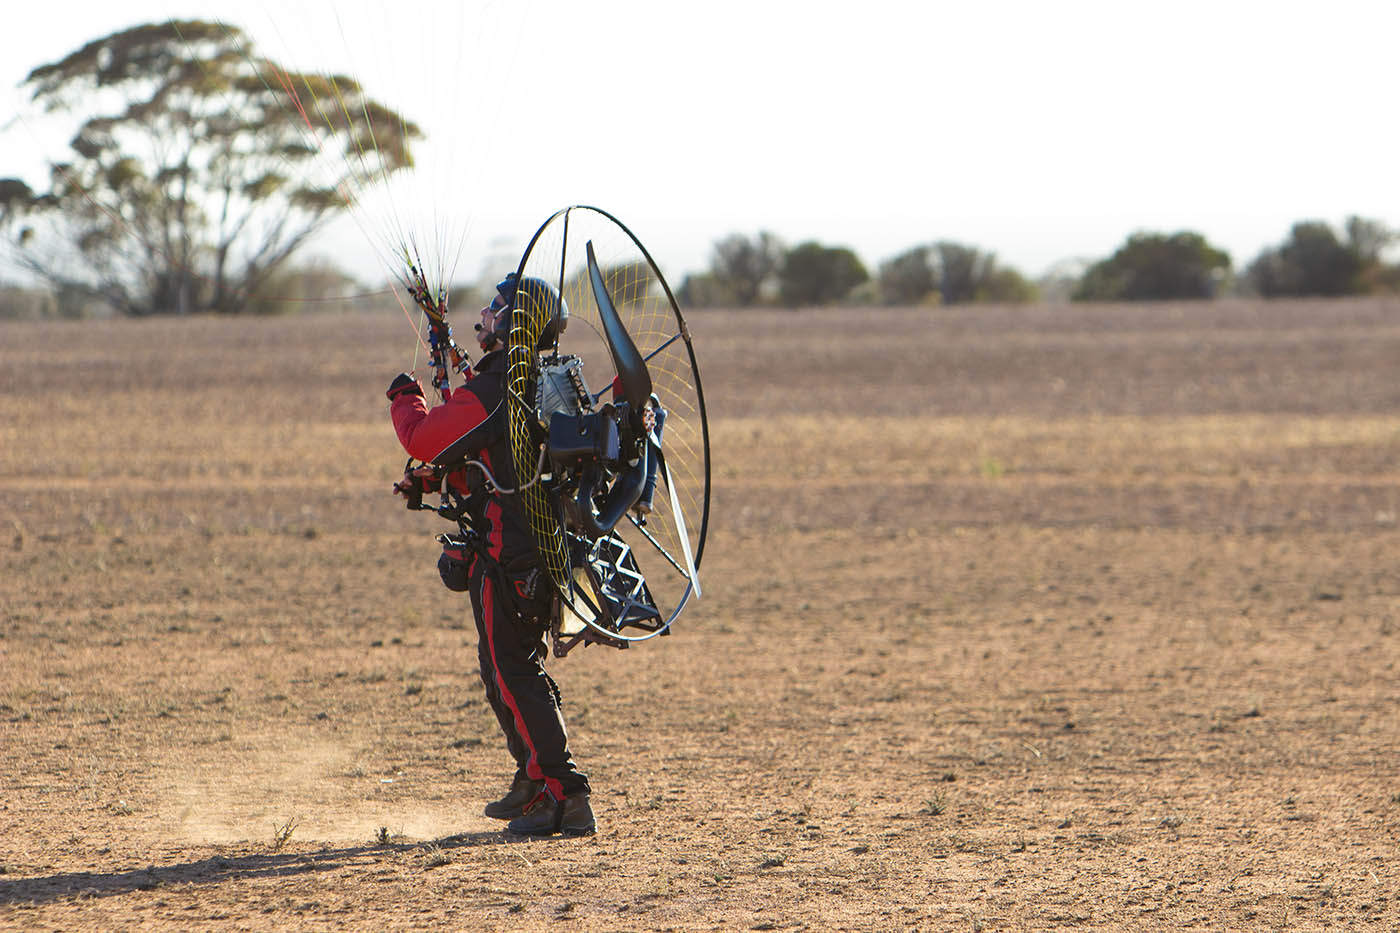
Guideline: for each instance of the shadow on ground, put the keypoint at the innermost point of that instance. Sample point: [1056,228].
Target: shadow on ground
[221,868]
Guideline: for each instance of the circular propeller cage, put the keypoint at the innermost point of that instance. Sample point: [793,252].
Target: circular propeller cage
[630,584]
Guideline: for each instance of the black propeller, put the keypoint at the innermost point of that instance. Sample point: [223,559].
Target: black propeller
[627,360]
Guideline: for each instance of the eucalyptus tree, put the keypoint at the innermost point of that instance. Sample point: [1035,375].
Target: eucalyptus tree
[197,168]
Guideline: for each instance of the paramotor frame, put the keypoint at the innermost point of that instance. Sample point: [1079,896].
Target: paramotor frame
[626,474]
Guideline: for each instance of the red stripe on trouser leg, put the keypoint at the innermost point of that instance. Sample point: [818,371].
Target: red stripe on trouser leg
[532,768]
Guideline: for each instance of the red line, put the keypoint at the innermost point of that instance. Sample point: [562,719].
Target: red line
[532,768]
[291,92]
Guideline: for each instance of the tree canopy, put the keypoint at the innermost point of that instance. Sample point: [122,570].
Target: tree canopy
[742,270]
[198,169]
[747,264]
[813,274]
[950,273]
[1314,260]
[907,279]
[1156,266]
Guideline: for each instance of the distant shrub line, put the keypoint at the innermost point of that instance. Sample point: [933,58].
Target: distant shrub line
[761,271]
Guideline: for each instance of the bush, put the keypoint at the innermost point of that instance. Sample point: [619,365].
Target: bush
[908,279]
[1157,266]
[950,273]
[1315,261]
[812,274]
[26,304]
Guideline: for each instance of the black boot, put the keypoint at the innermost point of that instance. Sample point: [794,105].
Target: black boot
[571,816]
[522,791]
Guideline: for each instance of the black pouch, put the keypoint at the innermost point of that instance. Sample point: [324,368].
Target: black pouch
[455,564]
[575,438]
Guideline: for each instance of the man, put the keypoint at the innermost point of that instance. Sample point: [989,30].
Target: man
[511,596]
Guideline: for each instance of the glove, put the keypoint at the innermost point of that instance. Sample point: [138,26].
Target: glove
[415,483]
[404,384]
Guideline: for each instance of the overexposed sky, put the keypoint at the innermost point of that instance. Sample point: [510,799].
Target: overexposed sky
[1039,131]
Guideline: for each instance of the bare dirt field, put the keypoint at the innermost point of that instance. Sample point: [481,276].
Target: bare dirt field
[1070,618]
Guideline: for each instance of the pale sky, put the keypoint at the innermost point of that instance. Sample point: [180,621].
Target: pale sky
[1038,131]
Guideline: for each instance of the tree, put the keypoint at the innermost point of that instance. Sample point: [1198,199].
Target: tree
[1005,285]
[960,269]
[1315,261]
[953,274]
[812,274]
[907,279]
[1369,239]
[1156,266]
[192,180]
[703,290]
[743,267]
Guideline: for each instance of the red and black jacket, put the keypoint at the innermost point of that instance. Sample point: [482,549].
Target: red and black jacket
[471,425]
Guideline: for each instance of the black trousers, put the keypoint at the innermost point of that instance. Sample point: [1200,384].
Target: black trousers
[510,628]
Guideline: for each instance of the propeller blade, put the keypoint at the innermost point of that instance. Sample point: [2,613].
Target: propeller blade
[627,360]
[680,525]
